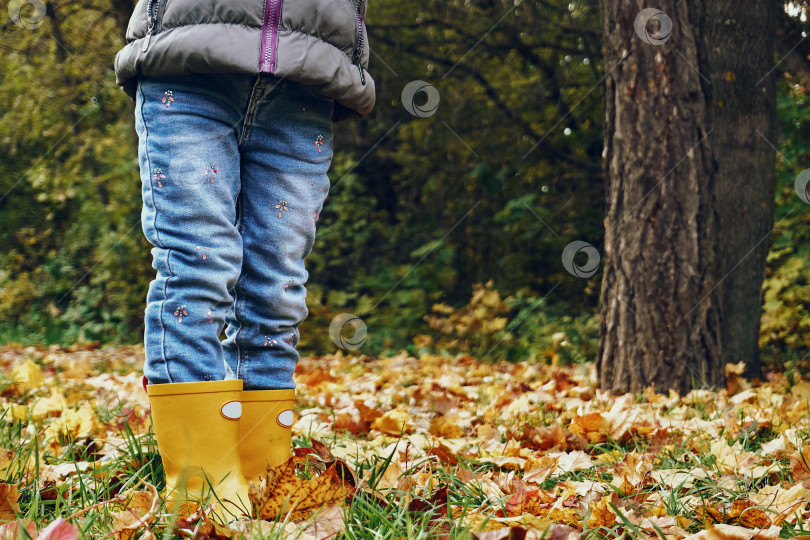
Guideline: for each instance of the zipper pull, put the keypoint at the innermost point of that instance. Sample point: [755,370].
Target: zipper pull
[148,36]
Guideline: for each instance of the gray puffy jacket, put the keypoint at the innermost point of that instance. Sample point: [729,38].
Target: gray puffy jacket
[321,43]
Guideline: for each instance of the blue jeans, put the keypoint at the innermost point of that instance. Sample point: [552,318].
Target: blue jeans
[233,169]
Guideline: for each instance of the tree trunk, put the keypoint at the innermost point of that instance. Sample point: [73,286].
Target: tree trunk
[660,316]
[743,110]
[122,10]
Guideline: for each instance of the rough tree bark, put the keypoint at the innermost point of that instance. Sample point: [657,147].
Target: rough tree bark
[660,316]
[739,63]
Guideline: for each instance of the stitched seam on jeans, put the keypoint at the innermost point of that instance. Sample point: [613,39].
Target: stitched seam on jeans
[149,167]
[162,307]
[239,229]
[157,235]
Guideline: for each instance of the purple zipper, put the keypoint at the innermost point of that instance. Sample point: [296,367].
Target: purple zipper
[358,51]
[272,14]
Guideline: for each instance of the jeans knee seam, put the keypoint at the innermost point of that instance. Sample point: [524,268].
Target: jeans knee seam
[240,324]
[162,324]
[158,240]
[149,167]
[239,363]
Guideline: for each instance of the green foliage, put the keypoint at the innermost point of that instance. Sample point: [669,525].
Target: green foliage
[785,331]
[515,328]
[72,255]
[492,187]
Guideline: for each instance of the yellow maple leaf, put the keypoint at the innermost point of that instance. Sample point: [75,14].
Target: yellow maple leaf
[393,422]
[779,448]
[445,426]
[787,503]
[609,457]
[13,411]
[390,478]
[26,376]
[78,423]
[14,463]
[801,391]
[6,460]
[601,514]
[479,522]
[566,515]
[53,405]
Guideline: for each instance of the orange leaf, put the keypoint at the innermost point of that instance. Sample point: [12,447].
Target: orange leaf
[443,426]
[633,472]
[140,511]
[281,492]
[444,454]
[755,518]
[800,464]
[8,502]
[393,422]
[593,426]
[601,514]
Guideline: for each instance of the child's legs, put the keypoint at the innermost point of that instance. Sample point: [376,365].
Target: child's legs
[286,152]
[188,130]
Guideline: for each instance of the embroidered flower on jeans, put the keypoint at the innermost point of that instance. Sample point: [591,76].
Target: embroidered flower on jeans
[291,283]
[281,207]
[168,98]
[316,215]
[158,175]
[319,143]
[290,340]
[211,171]
[270,342]
[180,313]
[204,250]
[210,314]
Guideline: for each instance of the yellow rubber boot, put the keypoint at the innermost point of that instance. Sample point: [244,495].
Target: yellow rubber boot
[265,430]
[197,429]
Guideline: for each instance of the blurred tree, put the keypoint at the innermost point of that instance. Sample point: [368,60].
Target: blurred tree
[492,186]
[742,94]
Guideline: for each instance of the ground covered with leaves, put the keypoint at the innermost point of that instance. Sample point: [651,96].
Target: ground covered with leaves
[429,447]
